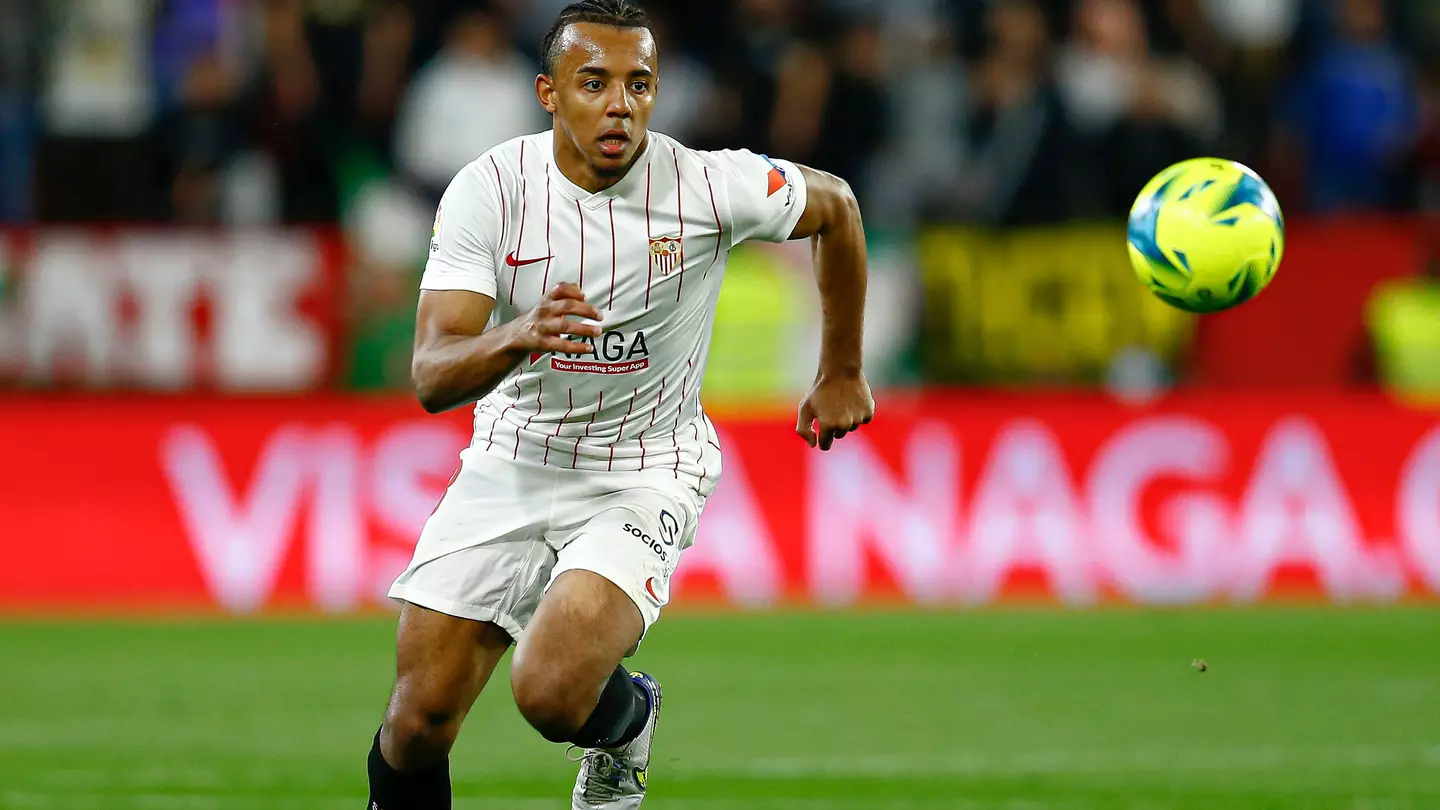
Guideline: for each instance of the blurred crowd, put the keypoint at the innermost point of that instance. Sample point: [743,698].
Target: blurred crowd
[989,111]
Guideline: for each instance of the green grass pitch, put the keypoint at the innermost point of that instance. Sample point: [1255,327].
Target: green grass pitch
[1019,709]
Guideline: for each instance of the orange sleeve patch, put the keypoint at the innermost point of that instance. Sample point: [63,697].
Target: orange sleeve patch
[777,181]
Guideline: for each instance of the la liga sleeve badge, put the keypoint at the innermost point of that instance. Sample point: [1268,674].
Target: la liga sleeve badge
[435,229]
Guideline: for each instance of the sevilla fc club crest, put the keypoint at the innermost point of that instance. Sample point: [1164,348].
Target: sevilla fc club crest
[664,253]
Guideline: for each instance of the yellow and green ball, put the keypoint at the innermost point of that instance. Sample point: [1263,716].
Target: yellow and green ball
[1206,234]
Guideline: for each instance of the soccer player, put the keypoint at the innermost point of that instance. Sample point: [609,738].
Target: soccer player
[570,293]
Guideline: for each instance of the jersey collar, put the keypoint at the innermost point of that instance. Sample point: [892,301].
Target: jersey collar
[633,176]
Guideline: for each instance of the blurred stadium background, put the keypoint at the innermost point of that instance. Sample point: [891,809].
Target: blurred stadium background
[213,216]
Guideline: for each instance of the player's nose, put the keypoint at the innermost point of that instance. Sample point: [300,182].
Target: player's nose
[619,106]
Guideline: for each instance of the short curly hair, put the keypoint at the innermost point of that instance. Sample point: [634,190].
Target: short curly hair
[617,13]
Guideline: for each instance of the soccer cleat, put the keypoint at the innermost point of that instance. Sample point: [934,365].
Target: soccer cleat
[615,778]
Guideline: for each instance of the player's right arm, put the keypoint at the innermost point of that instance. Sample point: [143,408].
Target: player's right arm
[456,358]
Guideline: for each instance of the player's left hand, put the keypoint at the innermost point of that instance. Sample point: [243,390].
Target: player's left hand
[835,406]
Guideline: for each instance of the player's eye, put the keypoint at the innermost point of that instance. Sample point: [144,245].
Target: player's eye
[593,85]
[640,86]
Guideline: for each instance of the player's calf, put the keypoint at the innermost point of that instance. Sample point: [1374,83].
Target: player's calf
[551,703]
[563,714]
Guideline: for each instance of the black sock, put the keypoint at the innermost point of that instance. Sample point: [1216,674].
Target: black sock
[620,715]
[392,790]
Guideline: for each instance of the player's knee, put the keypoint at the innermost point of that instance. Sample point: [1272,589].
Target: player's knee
[546,703]
[415,738]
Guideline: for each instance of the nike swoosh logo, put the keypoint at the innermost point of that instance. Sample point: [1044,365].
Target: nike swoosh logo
[514,262]
[650,586]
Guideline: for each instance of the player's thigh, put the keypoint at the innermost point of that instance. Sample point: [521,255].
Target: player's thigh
[632,537]
[579,634]
[472,585]
[482,554]
[617,554]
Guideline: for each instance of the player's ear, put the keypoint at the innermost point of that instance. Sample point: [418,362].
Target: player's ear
[545,92]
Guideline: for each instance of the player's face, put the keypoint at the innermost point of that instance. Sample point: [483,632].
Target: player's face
[602,93]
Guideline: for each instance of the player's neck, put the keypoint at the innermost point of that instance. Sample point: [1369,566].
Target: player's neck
[578,170]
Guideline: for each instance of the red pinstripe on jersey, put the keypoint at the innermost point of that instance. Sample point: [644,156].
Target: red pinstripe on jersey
[649,234]
[570,392]
[580,215]
[680,216]
[524,206]
[599,406]
[545,282]
[612,254]
[696,425]
[539,398]
[491,441]
[684,387]
[620,434]
[499,186]
[719,229]
[680,412]
[653,410]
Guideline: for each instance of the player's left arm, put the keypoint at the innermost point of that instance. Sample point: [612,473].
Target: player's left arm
[840,400]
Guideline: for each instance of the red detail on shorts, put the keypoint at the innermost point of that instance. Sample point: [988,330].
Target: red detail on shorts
[650,589]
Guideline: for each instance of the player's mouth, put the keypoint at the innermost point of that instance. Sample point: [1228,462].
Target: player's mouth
[613,143]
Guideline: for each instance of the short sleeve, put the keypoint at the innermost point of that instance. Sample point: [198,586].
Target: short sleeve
[767,196]
[462,242]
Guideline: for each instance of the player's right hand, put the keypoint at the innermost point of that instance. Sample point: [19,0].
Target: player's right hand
[550,325]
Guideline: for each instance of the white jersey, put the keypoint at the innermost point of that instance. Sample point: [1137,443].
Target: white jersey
[649,252]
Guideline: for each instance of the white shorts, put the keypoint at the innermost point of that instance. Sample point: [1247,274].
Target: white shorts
[504,530]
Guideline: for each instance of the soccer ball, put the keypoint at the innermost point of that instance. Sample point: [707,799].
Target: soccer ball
[1206,234]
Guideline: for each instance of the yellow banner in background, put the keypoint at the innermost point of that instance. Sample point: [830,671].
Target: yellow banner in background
[766,344]
[1045,304]
[760,317]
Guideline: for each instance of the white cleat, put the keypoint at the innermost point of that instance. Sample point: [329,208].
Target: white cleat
[615,778]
